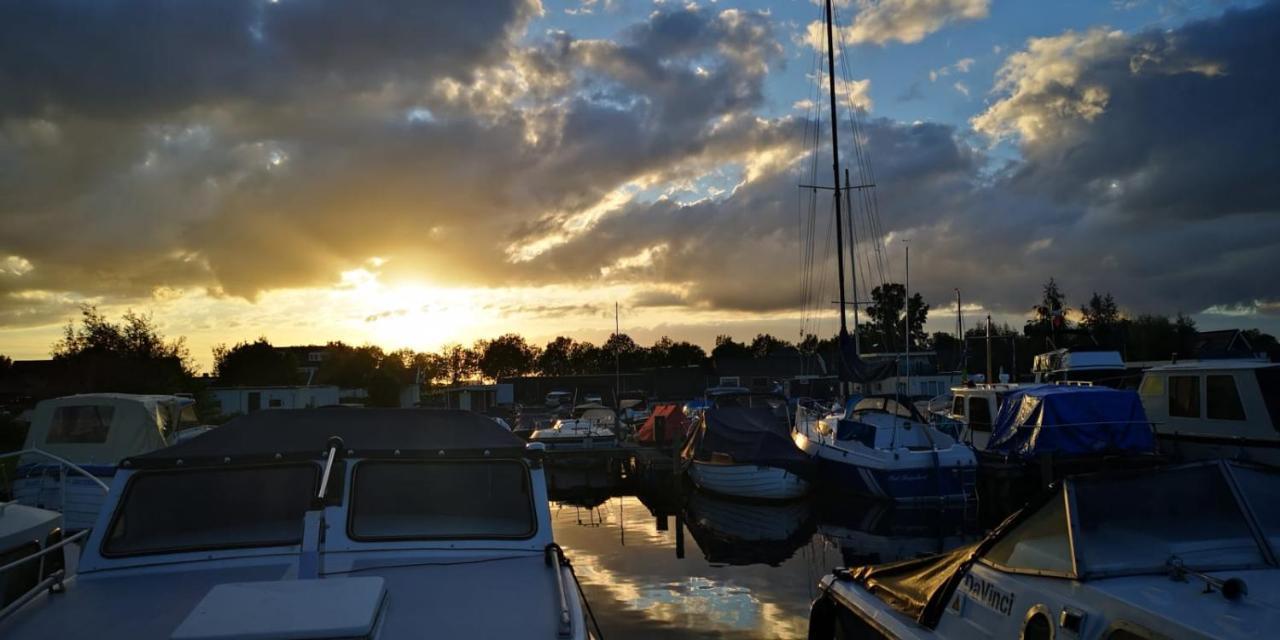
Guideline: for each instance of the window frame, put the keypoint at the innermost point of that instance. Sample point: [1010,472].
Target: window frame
[989,426]
[106,422]
[534,524]
[118,512]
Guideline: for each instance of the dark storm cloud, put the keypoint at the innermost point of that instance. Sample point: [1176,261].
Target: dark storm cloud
[135,58]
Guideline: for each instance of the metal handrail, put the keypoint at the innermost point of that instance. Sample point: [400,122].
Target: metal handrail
[73,466]
[50,581]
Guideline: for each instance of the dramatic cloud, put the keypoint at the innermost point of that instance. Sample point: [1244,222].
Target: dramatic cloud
[906,21]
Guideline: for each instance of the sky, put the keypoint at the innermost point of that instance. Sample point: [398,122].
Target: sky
[414,174]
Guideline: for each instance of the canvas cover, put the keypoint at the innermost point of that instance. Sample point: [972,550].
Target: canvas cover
[749,435]
[99,428]
[853,368]
[1071,421]
[919,587]
[676,424]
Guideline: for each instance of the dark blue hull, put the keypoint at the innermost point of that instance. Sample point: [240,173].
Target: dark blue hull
[928,484]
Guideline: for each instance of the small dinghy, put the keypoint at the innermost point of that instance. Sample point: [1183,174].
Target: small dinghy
[884,449]
[1176,552]
[321,523]
[741,447]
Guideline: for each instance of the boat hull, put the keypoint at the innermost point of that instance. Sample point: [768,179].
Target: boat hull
[913,477]
[748,481]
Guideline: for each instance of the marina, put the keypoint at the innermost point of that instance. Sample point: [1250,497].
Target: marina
[569,319]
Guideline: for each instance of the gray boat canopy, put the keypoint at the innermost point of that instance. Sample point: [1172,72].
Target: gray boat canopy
[295,434]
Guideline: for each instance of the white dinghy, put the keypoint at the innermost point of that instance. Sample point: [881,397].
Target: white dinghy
[322,523]
[741,447]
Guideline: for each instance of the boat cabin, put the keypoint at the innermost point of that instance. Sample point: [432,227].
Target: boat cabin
[1178,552]
[93,432]
[972,410]
[1066,365]
[323,523]
[1215,409]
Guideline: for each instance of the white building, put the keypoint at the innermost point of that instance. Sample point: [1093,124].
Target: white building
[241,400]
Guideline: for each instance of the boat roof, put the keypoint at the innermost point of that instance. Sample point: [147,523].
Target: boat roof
[1215,365]
[295,434]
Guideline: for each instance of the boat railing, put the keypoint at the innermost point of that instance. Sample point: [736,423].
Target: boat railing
[52,581]
[63,466]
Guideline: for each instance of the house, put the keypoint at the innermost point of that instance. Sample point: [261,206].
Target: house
[479,397]
[768,373]
[241,400]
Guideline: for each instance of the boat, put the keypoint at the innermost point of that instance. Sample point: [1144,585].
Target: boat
[970,411]
[590,426]
[379,523]
[75,442]
[1097,366]
[1047,432]
[883,448]
[666,427]
[740,447]
[33,555]
[1186,551]
[1215,409]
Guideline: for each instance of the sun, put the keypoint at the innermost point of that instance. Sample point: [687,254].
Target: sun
[417,316]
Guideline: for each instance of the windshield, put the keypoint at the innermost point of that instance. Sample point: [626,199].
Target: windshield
[164,512]
[1261,489]
[425,500]
[890,406]
[1139,524]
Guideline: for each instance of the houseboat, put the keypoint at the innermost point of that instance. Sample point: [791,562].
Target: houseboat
[1215,409]
[379,523]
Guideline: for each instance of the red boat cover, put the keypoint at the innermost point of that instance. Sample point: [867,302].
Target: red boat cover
[676,423]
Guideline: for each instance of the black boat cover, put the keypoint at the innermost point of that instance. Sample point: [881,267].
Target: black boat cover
[303,434]
[749,435]
[853,368]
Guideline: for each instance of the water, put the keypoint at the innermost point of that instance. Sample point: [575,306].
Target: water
[677,563]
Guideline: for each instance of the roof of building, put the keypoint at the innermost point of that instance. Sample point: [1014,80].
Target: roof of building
[1215,365]
[1225,343]
[303,434]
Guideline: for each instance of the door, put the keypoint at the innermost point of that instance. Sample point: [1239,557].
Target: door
[255,401]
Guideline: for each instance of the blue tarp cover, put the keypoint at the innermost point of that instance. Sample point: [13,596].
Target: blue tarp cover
[1068,421]
[751,435]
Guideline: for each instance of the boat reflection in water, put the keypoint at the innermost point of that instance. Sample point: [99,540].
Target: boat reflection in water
[739,533]
[663,559]
[873,532]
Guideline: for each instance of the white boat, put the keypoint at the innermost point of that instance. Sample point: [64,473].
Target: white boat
[379,523]
[970,411]
[884,449]
[740,447]
[1097,366]
[1215,409]
[751,481]
[591,426]
[92,432]
[1178,552]
[33,554]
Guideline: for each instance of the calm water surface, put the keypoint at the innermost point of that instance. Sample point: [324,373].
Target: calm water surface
[678,563]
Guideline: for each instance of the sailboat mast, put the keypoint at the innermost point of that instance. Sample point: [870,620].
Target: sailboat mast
[835,164]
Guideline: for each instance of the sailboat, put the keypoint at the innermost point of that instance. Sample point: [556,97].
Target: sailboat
[881,447]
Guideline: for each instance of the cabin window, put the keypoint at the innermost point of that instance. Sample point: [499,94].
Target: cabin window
[1222,400]
[172,511]
[979,415]
[957,406]
[1140,523]
[1039,543]
[442,500]
[1152,386]
[84,424]
[275,403]
[1184,396]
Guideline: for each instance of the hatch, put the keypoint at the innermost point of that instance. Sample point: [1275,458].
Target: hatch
[294,609]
